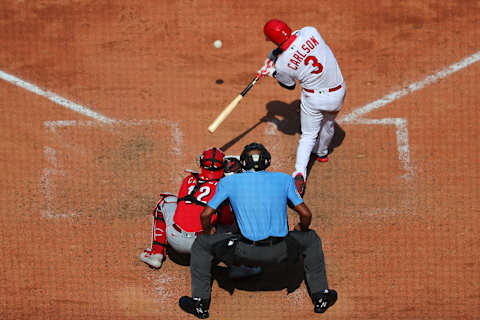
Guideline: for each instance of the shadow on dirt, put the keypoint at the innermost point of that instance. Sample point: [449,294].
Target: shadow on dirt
[287,275]
[286,117]
[177,257]
[275,277]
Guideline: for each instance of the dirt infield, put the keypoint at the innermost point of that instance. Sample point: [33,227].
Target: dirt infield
[396,207]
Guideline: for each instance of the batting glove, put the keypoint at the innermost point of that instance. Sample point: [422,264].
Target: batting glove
[268,69]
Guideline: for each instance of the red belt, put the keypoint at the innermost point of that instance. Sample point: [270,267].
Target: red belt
[329,90]
[176,227]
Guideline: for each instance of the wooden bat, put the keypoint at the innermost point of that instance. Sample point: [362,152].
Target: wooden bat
[228,109]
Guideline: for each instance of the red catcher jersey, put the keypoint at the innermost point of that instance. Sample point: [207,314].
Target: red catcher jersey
[187,214]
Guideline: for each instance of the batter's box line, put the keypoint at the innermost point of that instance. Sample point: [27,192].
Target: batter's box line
[402,141]
[355,117]
[54,169]
[176,132]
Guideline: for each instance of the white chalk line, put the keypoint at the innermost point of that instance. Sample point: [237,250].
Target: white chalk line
[410,88]
[54,98]
[355,117]
[48,187]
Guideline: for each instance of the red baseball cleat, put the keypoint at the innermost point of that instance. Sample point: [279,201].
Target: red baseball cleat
[300,183]
[322,158]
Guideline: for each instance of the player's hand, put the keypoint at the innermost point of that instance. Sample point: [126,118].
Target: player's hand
[300,227]
[210,231]
[268,69]
[213,230]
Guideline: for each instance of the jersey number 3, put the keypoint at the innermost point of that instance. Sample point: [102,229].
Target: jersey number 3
[315,63]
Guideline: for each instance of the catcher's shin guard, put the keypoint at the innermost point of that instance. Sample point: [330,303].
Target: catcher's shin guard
[159,234]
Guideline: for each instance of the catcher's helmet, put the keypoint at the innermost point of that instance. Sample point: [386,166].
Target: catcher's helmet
[257,162]
[232,165]
[211,163]
[277,31]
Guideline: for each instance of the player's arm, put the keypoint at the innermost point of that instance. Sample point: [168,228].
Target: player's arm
[206,215]
[285,80]
[184,187]
[205,218]
[225,214]
[285,86]
[300,207]
[305,217]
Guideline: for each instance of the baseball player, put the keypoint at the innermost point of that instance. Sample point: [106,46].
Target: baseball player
[176,220]
[303,55]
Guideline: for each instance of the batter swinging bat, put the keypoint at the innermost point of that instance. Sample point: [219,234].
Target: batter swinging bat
[228,109]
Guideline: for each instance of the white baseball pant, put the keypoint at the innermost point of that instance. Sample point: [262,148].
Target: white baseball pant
[180,240]
[318,111]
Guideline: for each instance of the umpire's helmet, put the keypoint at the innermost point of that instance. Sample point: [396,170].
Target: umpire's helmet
[211,163]
[257,162]
[277,31]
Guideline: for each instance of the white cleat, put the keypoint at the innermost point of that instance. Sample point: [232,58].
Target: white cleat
[154,260]
[242,271]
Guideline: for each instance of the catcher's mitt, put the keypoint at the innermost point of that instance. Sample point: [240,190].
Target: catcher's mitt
[232,165]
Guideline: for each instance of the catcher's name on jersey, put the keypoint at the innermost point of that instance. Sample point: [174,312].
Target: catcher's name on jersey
[299,55]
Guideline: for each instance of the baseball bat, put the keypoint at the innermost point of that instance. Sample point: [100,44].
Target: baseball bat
[228,109]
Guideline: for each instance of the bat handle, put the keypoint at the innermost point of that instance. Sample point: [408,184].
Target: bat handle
[250,85]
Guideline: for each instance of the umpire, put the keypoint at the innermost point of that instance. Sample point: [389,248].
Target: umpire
[259,199]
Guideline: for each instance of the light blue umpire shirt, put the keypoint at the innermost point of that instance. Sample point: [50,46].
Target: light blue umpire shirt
[259,200]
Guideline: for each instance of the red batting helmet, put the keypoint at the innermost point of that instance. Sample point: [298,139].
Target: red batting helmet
[211,162]
[277,31]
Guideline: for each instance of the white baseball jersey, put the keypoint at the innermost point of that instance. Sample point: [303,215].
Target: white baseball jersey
[310,61]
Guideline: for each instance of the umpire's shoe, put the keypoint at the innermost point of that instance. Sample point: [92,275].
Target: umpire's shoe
[196,306]
[324,300]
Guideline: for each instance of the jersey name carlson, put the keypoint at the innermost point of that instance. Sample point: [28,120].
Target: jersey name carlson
[299,55]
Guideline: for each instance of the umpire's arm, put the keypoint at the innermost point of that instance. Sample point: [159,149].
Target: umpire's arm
[205,218]
[305,217]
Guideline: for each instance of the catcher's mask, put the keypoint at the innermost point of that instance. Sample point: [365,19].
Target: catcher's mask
[257,162]
[211,163]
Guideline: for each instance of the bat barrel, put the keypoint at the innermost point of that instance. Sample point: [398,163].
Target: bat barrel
[225,113]
[222,116]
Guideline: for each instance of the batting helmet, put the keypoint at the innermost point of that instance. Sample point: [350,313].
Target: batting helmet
[277,31]
[255,161]
[211,163]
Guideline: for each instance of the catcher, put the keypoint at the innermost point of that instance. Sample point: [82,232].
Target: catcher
[176,219]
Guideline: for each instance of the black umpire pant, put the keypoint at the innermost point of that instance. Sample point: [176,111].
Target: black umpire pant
[203,254]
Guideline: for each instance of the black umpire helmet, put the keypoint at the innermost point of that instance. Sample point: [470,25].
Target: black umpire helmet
[259,161]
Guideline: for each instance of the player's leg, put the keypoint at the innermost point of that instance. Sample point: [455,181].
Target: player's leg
[329,104]
[327,130]
[201,260]
[310,122]
[180,240]
[314,266]
[162,215]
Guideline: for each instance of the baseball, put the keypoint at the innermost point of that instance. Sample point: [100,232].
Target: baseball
[217,44]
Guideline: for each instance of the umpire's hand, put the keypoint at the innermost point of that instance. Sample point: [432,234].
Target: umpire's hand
[300,227]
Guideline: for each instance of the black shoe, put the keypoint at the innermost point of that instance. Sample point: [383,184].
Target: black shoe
[324,300]
[196,306]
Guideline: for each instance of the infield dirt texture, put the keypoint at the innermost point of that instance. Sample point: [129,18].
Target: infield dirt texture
[105,103]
